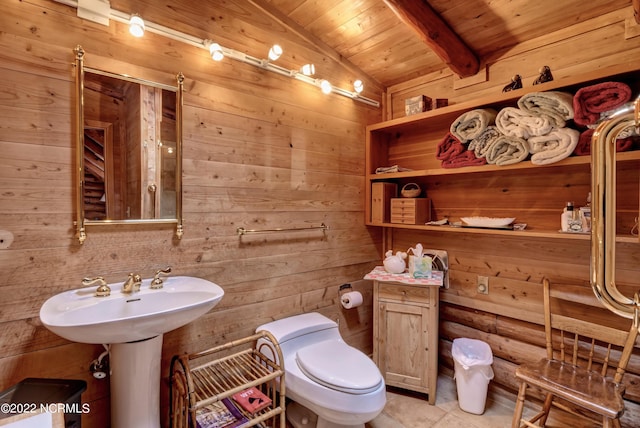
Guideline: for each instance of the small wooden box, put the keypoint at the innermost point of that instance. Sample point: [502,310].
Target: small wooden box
[410,210]
[417,104]
[381,194]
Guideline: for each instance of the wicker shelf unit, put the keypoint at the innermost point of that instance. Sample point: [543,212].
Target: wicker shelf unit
[202,378]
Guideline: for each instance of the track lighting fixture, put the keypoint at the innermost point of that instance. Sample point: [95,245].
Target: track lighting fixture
[99,11]
[308,69]
[136,26]
[216,52]
[275,52]
[326,86]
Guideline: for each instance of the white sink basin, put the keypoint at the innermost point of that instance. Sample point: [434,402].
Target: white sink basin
[80,316]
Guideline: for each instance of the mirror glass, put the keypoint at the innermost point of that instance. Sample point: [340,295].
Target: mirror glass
[129,147]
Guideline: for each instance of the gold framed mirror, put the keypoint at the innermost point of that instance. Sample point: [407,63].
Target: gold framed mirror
[128,149]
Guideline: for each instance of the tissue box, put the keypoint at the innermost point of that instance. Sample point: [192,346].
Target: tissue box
[420,267]
[417,104]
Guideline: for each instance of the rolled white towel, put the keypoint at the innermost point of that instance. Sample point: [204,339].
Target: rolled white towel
[507,150]
[515,122]
[469,125]
[628,132]
[557,105]
[553,147]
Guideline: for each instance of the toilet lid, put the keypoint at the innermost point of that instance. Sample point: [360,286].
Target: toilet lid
[339,366]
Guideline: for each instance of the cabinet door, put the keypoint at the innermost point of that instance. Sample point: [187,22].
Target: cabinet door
[402,339]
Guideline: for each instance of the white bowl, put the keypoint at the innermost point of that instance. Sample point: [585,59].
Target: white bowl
[488,221]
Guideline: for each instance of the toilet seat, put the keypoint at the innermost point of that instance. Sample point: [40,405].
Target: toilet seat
[339,366]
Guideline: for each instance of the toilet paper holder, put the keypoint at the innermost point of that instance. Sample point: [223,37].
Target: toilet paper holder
[344,288]
[348,298]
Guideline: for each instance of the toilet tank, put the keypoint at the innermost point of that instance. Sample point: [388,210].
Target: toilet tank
[298,331]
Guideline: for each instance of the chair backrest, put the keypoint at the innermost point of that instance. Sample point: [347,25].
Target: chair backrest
[580,331]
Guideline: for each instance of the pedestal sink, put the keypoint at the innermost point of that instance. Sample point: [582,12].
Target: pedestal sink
[133,324]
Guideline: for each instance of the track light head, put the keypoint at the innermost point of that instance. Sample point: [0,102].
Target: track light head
[136,26]
[326,87]
[308,69]
[275,52]
[216,52]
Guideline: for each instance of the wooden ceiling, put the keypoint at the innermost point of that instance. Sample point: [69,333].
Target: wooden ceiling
[390,41]
[371,36]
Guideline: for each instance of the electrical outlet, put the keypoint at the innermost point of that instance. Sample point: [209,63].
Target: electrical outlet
[483,284]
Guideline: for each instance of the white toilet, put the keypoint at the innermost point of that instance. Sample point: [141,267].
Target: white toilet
[327,379]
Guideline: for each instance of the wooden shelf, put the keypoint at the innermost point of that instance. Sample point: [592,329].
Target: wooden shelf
[570,161]
[490,190]
[197,380]
[505,232]
[624,72]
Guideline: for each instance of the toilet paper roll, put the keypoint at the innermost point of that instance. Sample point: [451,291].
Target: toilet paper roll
[352,299]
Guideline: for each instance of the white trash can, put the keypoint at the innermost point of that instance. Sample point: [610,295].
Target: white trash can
[472,359]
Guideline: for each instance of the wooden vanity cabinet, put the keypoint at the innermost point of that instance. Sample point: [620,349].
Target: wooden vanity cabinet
[405,346]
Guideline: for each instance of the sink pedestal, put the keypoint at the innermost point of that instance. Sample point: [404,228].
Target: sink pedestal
[135,383]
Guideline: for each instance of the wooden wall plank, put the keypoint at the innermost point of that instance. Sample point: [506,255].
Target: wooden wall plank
[260,151]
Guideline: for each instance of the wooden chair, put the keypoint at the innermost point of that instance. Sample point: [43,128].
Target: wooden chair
[585,362]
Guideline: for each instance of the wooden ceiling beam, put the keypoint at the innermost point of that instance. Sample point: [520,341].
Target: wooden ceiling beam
[436,33]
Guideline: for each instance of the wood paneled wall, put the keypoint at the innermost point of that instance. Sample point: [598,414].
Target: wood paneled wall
[509,318]
[260,151]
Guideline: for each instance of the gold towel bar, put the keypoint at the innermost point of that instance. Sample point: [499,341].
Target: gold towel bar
[242,231]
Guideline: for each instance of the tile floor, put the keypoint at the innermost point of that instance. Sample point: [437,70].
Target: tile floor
[408,410]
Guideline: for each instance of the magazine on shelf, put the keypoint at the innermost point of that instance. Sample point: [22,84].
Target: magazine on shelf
[220,414]
[252,400]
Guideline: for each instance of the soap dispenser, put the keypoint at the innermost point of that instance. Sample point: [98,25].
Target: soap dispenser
[585,215]
[566,217]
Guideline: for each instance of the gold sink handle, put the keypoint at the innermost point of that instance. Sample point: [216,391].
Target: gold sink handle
[103,289]
[157,282]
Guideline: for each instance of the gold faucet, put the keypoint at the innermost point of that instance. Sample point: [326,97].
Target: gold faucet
[157,282]
[132,284]
[103,289]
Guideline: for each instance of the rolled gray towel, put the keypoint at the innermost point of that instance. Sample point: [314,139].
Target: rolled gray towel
[469,125]
[481,143]
[514,122]
[507,150]
[553,147]
[556,105]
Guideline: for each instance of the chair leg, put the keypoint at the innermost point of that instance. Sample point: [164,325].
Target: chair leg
[546,408]
[517,413]
[610,423]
